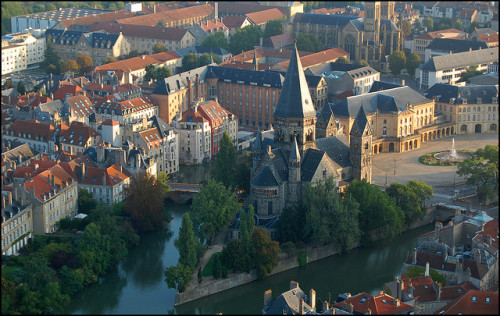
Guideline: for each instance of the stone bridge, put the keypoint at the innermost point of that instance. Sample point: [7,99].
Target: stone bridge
[181,193]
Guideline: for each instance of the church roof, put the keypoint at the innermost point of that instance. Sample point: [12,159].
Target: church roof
[325,114]
[324,19]
[337,148]
[312,159]
[294,153]
[295,99]
[358,128]
[257,145]
[265,178]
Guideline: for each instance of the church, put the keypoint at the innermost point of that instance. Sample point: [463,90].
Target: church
[279,174]
[372,37]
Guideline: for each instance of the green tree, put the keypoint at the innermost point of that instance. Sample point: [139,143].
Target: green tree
[163,178]
[362,62]
[71,281]
[407,200]
[178,276]
[472,27]
[482,172]
[264,252]
[144,201]
[158,48]
[86,201]
[469,73]
[444,23]
[225,162]
[215,40]
[412,62]
[245,39]
[247,224]
[212,210]
[161,23]
[187,243]
[457,24]
[429,23]
[342,60]
[397,61]
[242,176]
[406,27]
[273,27]
[189,61]
[308,43]
[291,224]
[70,66]
[53,301]
[377,211]
[205,59]
[85,63]
[108,60]
[21,88]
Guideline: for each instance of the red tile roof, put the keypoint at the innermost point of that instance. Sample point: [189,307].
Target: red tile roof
[142,31]
[233,21]
[488,237]
[380,304]
[329,55]
[191,116]
[110,122]
[73,90]
[42,183]
[473,303]
[450,293]
[133,105]
[152,137]
[129,65]
[424,290]
[166,56]
[78,134]
[265,16]
[111,88]
[214,113]
[22,128]
[213,25]
[438,34]
[111,176]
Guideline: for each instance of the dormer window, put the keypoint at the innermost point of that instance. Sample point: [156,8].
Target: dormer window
[474,298]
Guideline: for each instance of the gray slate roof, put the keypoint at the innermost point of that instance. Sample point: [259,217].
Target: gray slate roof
[295,100]
[386,101]
[471,93]
[246,76]
[287,301]
[456,45]
[310,163]
[337,148]
[265,178]
[359,125]
[381,85]
[325,114]
[464,59]
[294,153]
[324,19]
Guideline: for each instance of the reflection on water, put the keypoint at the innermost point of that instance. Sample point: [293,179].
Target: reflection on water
[137,285]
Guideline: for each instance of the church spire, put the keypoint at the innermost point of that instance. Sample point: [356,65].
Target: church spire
[294,153]
[295,100]
[360,123]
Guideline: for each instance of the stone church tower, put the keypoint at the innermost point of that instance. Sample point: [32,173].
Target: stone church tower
[294,176]
[294,116]
[361,147]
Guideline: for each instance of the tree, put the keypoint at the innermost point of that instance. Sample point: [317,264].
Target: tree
[377,211]
[342,60]
[189,61]
[187,243]
[108,60]
[242,176]
[429,23]
[264,252]
[86,201]
[273,27]
[161,23]
[482,172]
[215,40]
[444,23]
[225,162]
[70,66]
[308,43]
[457,24]
[412,62]
[71,281]
[406,26]
[178,276]
[472,27]
[247,224]
[156,74]
[212,209]
[397,61]
[245,39]
[410,198]
[21,88]
[158,48]
[85,63]
[469,73]
[144,201]
[291,224]
[163,179]
[362,62]
[205,59]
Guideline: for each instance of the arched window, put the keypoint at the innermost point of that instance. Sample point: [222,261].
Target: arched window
[384,131]
[350,46]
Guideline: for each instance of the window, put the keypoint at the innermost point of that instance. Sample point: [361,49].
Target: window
[474,298]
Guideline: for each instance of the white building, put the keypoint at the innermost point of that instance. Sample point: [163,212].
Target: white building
[449,68]
[111,132]
[127,111]
[195,137]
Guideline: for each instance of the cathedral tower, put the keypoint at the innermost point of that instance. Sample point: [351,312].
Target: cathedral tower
[294,116]
[372,20]
[294,175]
[361,147]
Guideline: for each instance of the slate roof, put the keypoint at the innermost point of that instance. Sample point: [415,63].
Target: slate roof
[257,145]
[295,99]
[388,25]
[179,82]
[381,85]
[471,93]
[464,59]
[294,153]
[325,114]
[456,45]
[170,16]
[359,125]
[160,124]
[337,148]
[265,178]
[310,163]
[323,19]
[387,101]
[249,77]
[143,31]
[24,151]
[287,303]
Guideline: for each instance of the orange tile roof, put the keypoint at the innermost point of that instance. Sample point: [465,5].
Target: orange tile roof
[321,11]
[329,55]
[380,304]
[111,175]
[110,122]
[191,116]
[214,113]
[450,293]
[261,17]
[423,288]
[436,34]
[129,65]
[111,88]
[60,94]
[473,303]
[166,56]
[134,105]
[490,231]
[78,134]
[213,25]
[233,21]
[80,106]
[152,137]
[489,38]
[42,183]
[32,127]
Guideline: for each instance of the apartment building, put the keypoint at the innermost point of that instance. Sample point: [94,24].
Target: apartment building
[53,195]
[106,184]
[78,137]
[21,51]
[195,144]
[449,68]
[127,111]
[13,57]
[17,222]
[447,46]
[40,136]
[420,42]
[80,108]
[98,45]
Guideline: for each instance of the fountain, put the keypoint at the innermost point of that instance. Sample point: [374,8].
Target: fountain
[452,155]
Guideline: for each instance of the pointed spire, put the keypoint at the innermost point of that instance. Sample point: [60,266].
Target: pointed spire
[325,114]
[258,145]
[295,100]
[294,153]
[360,122]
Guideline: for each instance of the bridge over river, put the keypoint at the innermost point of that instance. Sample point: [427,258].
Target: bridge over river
[181,193]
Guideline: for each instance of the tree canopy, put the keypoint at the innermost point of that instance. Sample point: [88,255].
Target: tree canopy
[156,73]
[215,40]
[265,252]
[225,162]
[273,27]
[469,73]
[108,60]
[187,243]
[342,60]
[308,43]
[52,62]
[158,48]
[362,62]
[21,87]
[406,26]
[245,39]
[412,62]
[397,62]
[85,63]
[189,61]
[410,198]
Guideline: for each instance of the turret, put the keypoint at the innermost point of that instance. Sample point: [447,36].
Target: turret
[294,174]
[361,147]
[258,152]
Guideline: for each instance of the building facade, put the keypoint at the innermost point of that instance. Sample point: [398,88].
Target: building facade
[17,222]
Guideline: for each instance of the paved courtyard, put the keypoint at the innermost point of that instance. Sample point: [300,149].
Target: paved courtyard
[403,167]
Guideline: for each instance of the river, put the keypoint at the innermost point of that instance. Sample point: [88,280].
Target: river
[137,285]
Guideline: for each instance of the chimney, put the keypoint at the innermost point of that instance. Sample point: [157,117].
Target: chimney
[293,285]
[326,306]
[427,269]
[20,159]
[399,288]
[439,288]
[121,168]
[312,299]
[216,14]
[102,86]
[414,261]
[268,296]
[410,289]
[301,307]
[350,308]
[9,197]
[51,96]
[3,202]
[154,8]
[36,167]
[403,82]
[397,302]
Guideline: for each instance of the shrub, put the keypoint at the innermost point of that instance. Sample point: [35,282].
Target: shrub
[302,257]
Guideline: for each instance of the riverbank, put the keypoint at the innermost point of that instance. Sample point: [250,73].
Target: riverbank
[210,286]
